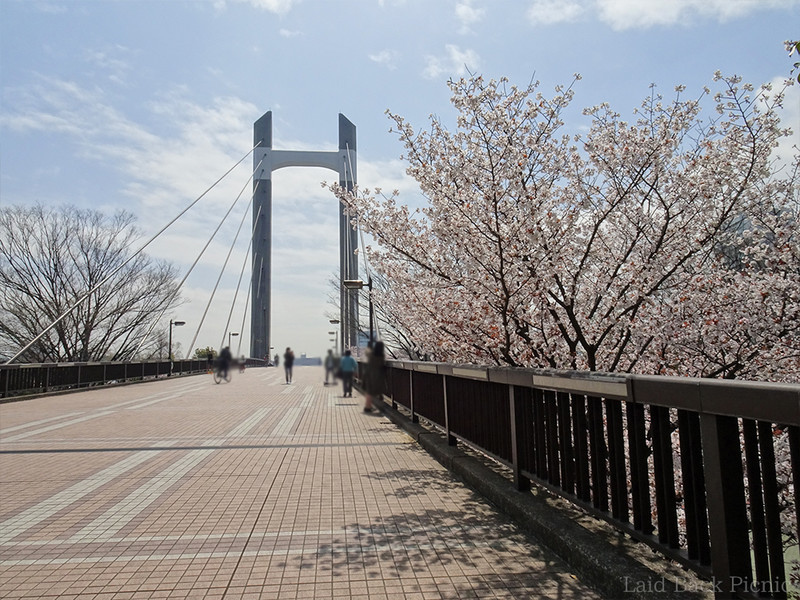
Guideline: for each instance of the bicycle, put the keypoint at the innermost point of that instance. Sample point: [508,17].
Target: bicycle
[221,372]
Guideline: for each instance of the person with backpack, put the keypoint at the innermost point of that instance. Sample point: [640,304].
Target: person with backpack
[347,369]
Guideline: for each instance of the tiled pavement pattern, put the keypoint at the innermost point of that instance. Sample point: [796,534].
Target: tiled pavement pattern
[252,489]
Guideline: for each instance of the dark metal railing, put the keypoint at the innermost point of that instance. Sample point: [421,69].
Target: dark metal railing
[20,380]
[699,469]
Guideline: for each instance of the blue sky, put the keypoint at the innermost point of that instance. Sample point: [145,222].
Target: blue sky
[142,105]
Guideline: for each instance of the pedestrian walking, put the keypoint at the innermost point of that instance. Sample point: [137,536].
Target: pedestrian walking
[347,369]
[288,362]
[330,367]
[375,376]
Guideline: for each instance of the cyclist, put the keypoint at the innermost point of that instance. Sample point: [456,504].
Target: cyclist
[224,361]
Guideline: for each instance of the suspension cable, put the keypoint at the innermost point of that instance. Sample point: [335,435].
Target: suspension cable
[225,264]
[363,250]
[196,260]
[241,274]
[124,263]
[260,270]
[244,316]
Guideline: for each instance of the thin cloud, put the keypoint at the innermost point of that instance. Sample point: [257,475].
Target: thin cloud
[633,14]
[468,15]
[51,104]
[113,60]
[192,142]
[455,62]
[638,14]
[550,12]
[387,58]
[288,33]
[50,8]
[279,7]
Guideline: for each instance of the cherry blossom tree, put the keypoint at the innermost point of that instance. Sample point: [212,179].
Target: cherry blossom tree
[668,244]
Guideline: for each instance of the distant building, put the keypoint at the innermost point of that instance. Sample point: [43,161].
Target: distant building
[306,361]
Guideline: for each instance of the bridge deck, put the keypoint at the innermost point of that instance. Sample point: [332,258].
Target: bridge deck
[251,489]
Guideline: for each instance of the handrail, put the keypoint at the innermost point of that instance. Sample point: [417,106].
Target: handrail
[21,380]
[699,469]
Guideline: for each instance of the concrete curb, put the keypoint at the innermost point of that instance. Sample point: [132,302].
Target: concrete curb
[604,558]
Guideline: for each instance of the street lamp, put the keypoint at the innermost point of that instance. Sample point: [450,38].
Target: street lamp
[357,284]
[336,345]
[231,333]
[171,325]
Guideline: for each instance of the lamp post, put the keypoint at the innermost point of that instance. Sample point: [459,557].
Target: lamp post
[336,322]
[171,325]
[357,284]
[231,333]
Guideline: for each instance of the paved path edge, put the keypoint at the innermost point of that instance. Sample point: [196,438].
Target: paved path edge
[606,559]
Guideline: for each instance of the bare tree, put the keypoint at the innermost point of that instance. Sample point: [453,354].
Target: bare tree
[50,257]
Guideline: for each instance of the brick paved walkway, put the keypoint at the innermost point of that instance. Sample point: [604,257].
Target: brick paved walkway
[252,489]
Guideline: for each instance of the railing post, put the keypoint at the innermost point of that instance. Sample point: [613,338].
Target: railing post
[392,374]
[664,476]
[582,457]
[616,459]
[521,482]
[694,490]
[414,417]
[771,508]
[727,510]
[567,463]
[599,454]
[451,440]
[638,452]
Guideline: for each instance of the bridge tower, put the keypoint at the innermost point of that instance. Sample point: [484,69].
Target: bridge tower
[265,161]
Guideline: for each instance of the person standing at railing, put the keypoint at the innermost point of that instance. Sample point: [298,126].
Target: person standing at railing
[347,368]
[375,376]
